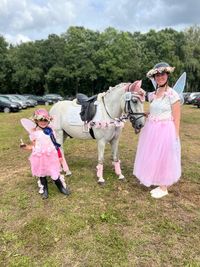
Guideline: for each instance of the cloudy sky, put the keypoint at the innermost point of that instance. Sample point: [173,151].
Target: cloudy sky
[24,20]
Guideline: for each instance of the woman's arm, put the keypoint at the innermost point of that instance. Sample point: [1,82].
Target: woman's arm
[176,113]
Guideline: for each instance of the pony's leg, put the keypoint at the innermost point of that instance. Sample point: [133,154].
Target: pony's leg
[116,162]
[99,167]
[60,138]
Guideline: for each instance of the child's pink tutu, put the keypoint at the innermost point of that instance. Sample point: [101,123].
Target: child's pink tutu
[158,157]
[45,164]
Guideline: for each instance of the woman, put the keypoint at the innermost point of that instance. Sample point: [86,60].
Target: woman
[157,159]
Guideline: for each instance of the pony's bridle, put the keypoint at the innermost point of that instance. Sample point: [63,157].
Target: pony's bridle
[127,109]
[131,115]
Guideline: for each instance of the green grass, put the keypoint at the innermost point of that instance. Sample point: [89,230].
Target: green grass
[118,224]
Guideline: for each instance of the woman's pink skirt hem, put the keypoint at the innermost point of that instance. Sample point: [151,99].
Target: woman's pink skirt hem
[158,156]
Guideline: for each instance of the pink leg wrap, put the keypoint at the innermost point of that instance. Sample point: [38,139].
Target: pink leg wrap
[99,170]
[117,167]
[64,163]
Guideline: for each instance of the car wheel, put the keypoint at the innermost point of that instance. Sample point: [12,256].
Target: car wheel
[46,103]
[6,110]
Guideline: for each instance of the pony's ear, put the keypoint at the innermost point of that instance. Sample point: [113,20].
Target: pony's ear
[137,90]
[136,86]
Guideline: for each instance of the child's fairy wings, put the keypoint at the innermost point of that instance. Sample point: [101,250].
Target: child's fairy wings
[28,125]
[180,85]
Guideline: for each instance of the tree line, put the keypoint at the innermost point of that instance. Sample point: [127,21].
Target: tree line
[87,61]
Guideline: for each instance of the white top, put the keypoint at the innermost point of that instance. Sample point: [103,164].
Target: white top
[43,143]
[160,108]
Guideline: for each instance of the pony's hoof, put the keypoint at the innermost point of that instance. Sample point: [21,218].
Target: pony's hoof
[68,173]
[121,177]
[101,181]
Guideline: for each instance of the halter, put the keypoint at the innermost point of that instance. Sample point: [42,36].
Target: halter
[131,115]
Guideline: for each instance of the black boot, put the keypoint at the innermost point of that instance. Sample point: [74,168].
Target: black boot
[61,188]
[43,181]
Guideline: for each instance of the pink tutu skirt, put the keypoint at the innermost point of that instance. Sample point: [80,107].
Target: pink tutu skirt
[45,164]
[158,156]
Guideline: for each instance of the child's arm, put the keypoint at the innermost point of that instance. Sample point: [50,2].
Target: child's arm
[28,146]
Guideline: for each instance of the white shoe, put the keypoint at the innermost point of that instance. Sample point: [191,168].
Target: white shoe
[155,189]
[159,193]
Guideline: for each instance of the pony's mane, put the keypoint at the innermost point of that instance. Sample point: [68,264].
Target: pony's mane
[111,89]
[116,86]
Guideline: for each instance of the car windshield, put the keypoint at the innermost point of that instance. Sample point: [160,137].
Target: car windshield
[13,97]
[53,95]
[4,99]
[20,97]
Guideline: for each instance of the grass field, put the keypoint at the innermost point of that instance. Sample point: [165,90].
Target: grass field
[118,224]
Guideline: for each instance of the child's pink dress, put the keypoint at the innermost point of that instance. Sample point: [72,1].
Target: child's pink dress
[44,157]
[158,157]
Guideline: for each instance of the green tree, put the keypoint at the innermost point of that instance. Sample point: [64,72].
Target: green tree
[5,67]
[192,58]
[79,50]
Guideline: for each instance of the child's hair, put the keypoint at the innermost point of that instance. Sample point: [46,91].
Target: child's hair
[41,115]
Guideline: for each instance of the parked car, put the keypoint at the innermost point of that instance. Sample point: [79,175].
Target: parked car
[7,106]
[54,97]
[191,97]
[40,99]
[29,102]
[196,101]
[186,95]
[14,99]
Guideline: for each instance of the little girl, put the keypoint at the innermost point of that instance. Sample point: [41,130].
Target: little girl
[46,156]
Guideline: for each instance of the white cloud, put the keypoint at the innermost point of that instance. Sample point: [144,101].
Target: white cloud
[36,19]
[17,39]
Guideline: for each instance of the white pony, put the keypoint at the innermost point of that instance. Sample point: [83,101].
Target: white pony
[113,108]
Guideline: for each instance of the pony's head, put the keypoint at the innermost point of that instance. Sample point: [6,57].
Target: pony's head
[132,103]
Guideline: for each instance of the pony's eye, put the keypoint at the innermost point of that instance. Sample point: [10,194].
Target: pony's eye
[135,101]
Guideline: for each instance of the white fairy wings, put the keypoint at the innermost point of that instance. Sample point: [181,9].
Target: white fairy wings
[28,125]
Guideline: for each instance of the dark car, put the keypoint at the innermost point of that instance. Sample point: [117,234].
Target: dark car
[14,99]
[54,97]
[7,106]
[29,102]
[196,101]
[40,99]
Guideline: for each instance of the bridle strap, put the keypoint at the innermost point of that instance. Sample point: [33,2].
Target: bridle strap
[129,110]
